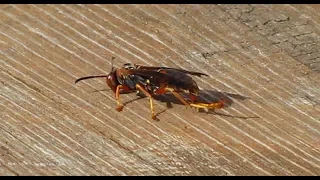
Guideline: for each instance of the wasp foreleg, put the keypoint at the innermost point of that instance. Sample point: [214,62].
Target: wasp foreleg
[120,105]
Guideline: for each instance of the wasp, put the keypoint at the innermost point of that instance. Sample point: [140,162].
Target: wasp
[151,81]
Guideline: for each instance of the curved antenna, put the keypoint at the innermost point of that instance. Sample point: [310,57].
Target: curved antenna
[89,77]
[98,76]
[112,59]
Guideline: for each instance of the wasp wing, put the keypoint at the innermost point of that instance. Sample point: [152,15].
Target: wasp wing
[154,68]
[174,78]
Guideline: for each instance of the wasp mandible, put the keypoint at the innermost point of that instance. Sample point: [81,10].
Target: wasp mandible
[152,81]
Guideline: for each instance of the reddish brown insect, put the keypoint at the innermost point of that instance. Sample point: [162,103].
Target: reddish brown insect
[155,81]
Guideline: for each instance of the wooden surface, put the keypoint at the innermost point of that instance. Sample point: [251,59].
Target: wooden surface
[264,60]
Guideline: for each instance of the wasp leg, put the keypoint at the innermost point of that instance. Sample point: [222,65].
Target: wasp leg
[197,105]
[177,95]
[153,116]
[125,89]
[217,105]
[120,105]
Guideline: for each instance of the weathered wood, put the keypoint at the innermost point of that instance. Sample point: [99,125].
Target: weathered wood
[262,59]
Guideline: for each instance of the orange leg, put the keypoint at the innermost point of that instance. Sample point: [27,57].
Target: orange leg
[197,105]
[163,90]
[120,105]
[217,105]
[153,116]
[178,96]
[124,90]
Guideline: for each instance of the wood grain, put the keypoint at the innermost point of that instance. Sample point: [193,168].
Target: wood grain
[262,59]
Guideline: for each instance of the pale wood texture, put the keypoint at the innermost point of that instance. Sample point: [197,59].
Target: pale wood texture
[263,59]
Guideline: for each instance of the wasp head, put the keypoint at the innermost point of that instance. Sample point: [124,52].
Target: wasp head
[112,81]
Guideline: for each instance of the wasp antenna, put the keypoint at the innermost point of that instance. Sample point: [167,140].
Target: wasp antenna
[112,59]
[89,77]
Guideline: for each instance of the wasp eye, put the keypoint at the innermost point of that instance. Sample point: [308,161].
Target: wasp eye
[111,80]
[128,66]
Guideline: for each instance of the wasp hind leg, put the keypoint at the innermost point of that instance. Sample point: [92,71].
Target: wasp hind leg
[217,105]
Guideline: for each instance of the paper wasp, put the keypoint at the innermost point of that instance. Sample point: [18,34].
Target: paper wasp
[152,81]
